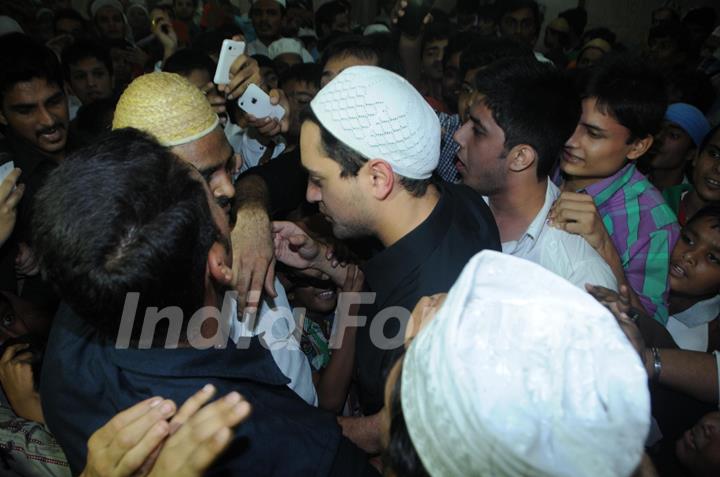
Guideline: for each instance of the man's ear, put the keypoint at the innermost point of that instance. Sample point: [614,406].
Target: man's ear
[218,268]
[68,89]
[521,157]
[381,178]
[640,147]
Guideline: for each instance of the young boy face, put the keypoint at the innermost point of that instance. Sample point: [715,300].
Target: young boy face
[599,146]
[706,172]
[695,260]
[675,147]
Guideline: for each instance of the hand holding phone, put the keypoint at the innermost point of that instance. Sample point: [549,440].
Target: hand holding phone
[256,102]
[229,52]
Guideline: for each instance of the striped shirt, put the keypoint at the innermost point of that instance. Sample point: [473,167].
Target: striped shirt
[644,231]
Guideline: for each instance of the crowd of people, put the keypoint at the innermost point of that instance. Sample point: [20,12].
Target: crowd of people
[464,246]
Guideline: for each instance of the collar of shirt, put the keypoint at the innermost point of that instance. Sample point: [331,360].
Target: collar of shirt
[25,156]
[386,270]
[603,190]
[700,313]
[537,225]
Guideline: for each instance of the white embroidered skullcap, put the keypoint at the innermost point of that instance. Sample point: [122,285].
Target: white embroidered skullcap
[9,25]
[380,115]
[98,4]
[523,374]
[289,45]
[281,2]
[375,28]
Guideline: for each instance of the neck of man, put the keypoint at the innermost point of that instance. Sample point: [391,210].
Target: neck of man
[516,206]
[267,40]
[664,178]
[431,87]
[577,183]
[404,213]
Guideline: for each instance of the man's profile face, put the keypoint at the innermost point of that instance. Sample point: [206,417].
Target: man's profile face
[90,80]
[481,159]
[706,170]
[110,23]
[267,19]
[520,25]
[215,159]
[599,146]
[432,58]
[340,199]
[699,448]
[37,112]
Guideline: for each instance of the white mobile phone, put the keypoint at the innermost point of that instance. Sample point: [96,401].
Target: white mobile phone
[229,51]
[255,101]
[6,169]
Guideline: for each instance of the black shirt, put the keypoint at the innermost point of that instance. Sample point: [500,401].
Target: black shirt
[426,261]
[86,380]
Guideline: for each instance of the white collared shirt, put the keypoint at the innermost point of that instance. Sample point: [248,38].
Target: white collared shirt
[278,329]
[251,150]
[689,328]
[565,254]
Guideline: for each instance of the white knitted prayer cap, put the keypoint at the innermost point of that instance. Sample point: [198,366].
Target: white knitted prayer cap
[289,45]
[381,116]
[523,374]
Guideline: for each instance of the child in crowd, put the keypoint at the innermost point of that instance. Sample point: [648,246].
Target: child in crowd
[686,199]
[682,133]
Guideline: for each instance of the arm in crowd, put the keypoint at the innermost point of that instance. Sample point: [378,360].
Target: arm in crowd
[691,372]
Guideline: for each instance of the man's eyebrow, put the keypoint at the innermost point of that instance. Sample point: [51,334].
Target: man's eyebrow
[593,127]
[477,122]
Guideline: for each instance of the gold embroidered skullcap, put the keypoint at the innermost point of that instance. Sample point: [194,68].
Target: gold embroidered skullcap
[167,106]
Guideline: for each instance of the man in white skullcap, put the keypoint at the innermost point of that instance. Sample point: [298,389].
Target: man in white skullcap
[519,373]
[287,52]
[179,116]
[267,18]
[370,143]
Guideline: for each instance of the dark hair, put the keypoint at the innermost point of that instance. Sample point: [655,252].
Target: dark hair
[23,59]
[576,18]
[264,61]
[435,32]
[629,90]
[692,87]
[67,14]
[124,215]
[486,50]
[401,456]
[673,13]
[712,211]
[95,119]
[303,73]
[279,5]
[184,61]
[708,137]
[703,17]
[85,49]
[350,161]
[673,30]
[509,6]
[325,15]
[350,45]
[458,44]
[534,104]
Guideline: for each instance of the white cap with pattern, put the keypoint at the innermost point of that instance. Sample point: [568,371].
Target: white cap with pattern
[289,45]
[380,115]
[521,373]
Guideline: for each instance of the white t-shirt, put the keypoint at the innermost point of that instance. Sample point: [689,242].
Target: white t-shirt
[565,254]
